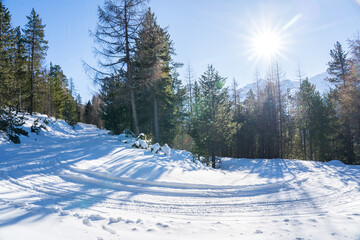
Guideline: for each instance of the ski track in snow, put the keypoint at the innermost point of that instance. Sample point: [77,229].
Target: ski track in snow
[89,175]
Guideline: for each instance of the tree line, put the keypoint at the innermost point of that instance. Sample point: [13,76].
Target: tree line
[140,89]
[26,83]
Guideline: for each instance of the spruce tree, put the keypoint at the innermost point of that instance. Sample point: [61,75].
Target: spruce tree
[36,49]
[312,121]
[57,93]
[214,125]
[153,71]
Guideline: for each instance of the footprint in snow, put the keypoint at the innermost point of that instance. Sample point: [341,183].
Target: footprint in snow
[87,222]
[78,215]
[162,225]
[258,232]
[115,220]
[65,213]
[96,217]
[108,229]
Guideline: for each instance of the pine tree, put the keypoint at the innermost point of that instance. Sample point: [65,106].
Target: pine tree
[312,121]
[57,82]
[87,113]
[20,69]
[6,57]
[36,49]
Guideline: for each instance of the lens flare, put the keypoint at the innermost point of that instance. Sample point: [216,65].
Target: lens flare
[266,44]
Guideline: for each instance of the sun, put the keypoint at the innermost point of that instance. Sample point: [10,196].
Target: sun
[266,44]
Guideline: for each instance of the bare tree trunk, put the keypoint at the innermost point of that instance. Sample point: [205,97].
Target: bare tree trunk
[128,74]
[156,121]
[280,144]
[133,110]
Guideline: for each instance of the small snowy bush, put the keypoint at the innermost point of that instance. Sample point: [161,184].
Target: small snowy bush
[167,150]
[140,144]
[37,126]
[46,121]
[143,144]
[155,148]
[11,125]
[141,136]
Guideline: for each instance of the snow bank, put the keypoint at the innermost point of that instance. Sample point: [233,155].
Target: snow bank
[336,163]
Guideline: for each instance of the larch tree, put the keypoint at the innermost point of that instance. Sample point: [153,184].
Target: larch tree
[339,71]
[118,24]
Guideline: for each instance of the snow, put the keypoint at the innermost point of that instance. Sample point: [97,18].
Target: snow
[155,148]
[83,183]
[167,150]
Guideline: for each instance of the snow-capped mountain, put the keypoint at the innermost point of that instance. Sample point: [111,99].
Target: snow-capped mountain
[288,85]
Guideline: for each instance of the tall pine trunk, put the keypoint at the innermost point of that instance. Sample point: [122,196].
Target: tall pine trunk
[156,121]
[213,133]
[32,79]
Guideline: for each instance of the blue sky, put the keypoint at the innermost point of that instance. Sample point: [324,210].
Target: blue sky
[206,32]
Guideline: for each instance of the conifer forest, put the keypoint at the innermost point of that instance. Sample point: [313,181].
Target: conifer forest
[140,88]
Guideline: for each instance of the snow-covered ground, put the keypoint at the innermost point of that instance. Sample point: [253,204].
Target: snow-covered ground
[83,183]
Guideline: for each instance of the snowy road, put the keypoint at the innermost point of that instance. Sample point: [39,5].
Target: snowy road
[86,184]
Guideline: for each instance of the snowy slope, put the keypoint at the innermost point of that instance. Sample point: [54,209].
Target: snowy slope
[83,183]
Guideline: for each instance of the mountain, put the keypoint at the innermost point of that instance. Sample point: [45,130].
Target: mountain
[288,85]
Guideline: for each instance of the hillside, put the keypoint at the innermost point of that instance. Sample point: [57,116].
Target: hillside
[83,183]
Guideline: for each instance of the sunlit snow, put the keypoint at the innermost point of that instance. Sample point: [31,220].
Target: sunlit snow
[83,183]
